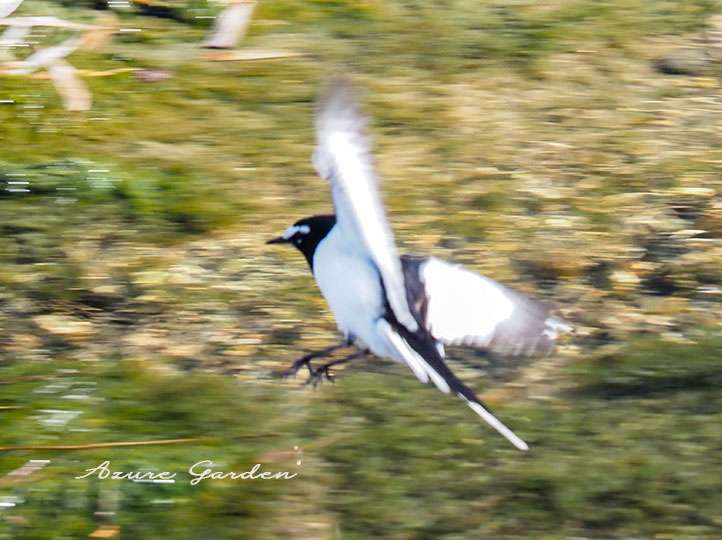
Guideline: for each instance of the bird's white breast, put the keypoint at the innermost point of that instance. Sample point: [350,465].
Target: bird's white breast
[351,285]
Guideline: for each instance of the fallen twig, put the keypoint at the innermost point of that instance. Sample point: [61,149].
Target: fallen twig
[89,446]
[54,22]
[249,55]
[43,75]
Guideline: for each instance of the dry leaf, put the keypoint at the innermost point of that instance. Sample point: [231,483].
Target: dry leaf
[152,75]
[230,26]
[97,37]
[73,91]
[106,531]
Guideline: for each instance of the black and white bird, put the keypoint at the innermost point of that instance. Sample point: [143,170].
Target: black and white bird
[402,308]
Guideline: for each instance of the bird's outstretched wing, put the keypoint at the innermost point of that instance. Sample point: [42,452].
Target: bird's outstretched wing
[460,307]
[455,306]
[342,157]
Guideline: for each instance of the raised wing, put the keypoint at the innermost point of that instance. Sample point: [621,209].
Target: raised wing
[343,158]
[460,307]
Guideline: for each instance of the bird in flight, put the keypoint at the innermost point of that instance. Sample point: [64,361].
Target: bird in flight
[403,308]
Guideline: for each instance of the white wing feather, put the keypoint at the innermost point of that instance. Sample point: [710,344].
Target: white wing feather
[342,157]
[421,368]
[466,308]
[403,351]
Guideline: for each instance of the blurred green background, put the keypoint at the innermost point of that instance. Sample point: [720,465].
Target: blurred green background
[571,149]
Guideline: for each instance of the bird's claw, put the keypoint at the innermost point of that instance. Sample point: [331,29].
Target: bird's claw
[317,375]
[291,371]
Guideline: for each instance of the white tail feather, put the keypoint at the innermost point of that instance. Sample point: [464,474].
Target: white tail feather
[402,349]
[494,422]
[415,361]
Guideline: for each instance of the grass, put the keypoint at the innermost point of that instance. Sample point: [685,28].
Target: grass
[637,468]
[624,453]
[120,403]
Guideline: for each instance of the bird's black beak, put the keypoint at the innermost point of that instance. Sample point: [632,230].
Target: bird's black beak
[279,240]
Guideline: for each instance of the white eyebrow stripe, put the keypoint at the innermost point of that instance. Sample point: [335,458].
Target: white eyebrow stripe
[293,229]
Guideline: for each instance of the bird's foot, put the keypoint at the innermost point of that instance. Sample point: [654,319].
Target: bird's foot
[298,364]
[306,359]
[317,375]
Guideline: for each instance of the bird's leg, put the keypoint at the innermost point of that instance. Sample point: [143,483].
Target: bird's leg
[320,372]
[306,360]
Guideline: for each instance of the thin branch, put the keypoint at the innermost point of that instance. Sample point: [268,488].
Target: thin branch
[249,55]
[100,445]
[44,21]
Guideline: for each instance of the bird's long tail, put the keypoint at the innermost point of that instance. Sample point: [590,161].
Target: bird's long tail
[420,353]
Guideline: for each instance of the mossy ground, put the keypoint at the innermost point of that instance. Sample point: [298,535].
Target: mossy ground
[533,142]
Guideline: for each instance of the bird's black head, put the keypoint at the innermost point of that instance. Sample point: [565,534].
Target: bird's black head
[306,234]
